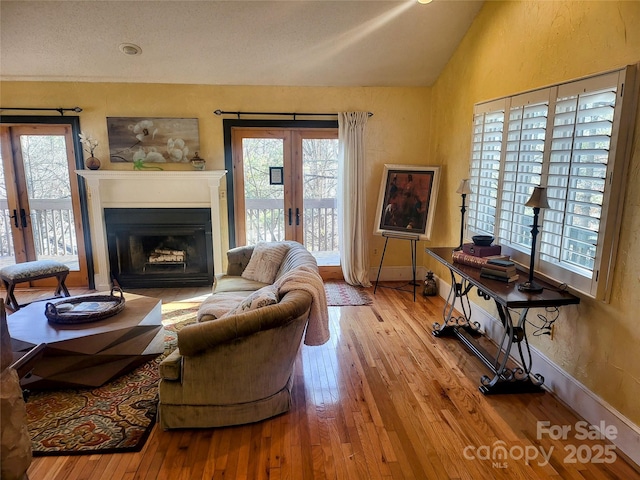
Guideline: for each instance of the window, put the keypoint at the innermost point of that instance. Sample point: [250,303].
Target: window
[573,139]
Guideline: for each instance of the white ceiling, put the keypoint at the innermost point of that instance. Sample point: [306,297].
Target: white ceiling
[233,42]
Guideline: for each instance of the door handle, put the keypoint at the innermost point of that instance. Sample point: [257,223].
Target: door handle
[15,217]
[23,218]
[297,216]
[289,217]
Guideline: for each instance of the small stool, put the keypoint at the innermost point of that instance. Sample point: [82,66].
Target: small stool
[28,271]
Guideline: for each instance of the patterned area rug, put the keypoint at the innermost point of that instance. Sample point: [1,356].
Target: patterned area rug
[342,294]
[116,417]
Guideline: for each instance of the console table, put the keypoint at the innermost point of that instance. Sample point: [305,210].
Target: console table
[507,298]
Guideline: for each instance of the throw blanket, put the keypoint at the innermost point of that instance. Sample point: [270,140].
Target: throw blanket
[307,279]
[221,303]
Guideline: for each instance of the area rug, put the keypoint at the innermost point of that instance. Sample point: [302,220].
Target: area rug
[343,294]
[117,417]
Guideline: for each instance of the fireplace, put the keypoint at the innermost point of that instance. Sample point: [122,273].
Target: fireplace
[160,247]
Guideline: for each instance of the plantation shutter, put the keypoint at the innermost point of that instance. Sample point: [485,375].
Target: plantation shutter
[574,139]
[488,125]
[522,167]
[578,168]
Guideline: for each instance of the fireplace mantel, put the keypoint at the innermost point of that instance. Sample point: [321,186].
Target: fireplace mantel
[149,189]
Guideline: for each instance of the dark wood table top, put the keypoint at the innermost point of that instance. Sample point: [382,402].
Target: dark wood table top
[29,324]
[507,294]
[87,354]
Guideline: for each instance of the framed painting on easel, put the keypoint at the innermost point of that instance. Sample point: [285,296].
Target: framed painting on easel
[407,200]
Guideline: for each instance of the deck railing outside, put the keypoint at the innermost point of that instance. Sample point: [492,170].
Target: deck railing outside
[266,220]
[54,234]
[53,228]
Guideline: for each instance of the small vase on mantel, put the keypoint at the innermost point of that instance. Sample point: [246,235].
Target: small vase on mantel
[92,163]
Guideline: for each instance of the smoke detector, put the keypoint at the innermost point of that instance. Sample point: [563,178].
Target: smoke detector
[130,49]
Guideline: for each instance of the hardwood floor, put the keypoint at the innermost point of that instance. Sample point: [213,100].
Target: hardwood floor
[383,399]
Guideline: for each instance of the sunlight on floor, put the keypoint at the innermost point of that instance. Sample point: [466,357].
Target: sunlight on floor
[327,259]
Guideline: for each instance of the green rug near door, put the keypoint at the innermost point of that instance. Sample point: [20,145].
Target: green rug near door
[117,417]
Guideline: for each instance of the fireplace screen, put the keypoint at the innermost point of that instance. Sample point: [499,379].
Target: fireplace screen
[160,247]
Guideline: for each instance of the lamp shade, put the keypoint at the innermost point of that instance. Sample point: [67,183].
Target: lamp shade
[538,198]
[464,188]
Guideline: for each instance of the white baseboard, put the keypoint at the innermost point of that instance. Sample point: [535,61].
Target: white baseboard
[397,274]
[567,389]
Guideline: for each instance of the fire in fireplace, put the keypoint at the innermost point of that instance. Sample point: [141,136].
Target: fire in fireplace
[160,247]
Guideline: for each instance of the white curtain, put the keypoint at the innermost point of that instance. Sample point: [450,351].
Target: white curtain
[354,245]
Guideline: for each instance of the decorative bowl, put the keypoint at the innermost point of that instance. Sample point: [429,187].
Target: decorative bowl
[482,240]
[197,162]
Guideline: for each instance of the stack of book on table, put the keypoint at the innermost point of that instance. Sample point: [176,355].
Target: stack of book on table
[474,260]
[499,269]
[489,260]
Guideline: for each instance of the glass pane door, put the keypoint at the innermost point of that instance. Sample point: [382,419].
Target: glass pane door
[285,188]
[262,171]
[46,175]
[7,251]
[319,190]
[40,200]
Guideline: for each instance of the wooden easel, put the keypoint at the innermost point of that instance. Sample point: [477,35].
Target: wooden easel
[413,238]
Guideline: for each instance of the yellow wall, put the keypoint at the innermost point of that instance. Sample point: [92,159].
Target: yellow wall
[516,46]
[397,133]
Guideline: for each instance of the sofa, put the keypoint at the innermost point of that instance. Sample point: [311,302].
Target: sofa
[235,364]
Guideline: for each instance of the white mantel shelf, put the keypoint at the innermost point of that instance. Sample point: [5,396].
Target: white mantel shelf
[149,189]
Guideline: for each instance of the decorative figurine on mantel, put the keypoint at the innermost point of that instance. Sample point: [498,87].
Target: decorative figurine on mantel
[197,162]
[90,144]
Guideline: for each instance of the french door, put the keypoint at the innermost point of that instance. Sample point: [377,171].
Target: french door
[39,199]
[285,188]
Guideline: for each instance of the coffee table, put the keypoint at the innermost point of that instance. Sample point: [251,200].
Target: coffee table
[88,354]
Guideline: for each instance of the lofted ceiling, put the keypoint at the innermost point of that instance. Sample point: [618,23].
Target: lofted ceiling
[234,42]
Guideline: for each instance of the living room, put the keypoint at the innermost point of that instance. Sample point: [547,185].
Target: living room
[510,47]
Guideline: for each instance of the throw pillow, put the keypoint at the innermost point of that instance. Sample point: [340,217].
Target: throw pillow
[260,298]
[265,262]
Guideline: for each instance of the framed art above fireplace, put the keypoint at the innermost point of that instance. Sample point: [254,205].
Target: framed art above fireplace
[152,140]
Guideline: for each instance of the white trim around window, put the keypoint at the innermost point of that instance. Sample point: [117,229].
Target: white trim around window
[574,139]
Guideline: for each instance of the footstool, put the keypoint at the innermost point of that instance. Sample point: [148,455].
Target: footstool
[28,271]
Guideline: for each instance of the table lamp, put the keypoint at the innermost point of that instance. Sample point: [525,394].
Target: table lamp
[537,201]
[464,189]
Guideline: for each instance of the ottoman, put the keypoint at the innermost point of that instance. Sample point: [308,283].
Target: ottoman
[28,271]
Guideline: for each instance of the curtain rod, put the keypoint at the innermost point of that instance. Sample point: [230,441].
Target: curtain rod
[59,110]
[291,114]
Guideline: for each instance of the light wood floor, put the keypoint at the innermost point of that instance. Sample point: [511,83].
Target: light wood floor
[383,399]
